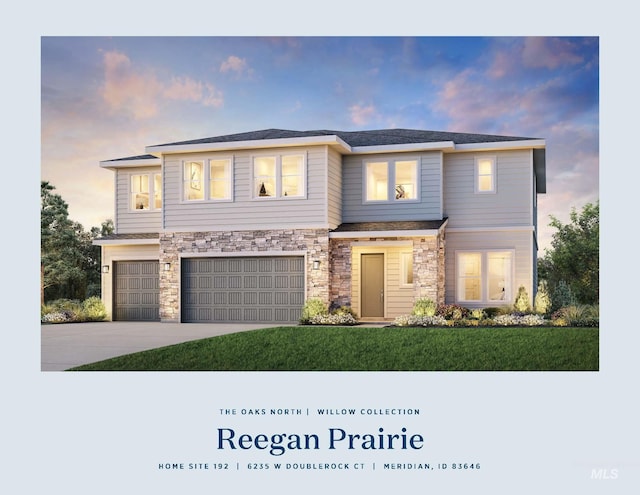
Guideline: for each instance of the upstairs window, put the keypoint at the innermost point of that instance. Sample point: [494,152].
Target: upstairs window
[207,180]
[145,191]
[485,174]
[281,176]
[392,181]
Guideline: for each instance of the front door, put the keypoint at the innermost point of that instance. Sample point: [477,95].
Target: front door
[372,285]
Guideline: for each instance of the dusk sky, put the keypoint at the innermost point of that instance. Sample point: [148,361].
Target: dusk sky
[105,98]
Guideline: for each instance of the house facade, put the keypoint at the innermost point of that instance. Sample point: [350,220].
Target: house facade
[246,227]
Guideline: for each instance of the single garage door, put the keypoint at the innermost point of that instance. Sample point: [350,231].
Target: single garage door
[256,289]
[136,291]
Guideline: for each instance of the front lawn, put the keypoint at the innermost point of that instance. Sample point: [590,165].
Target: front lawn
[312,348]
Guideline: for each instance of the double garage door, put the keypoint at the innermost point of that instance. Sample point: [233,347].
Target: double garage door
[252,289]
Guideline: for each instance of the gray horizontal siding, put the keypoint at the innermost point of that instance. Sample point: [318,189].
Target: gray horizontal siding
[509,206]
[429,207]
[334,189]
[129,221]
[244,211]
[520,241]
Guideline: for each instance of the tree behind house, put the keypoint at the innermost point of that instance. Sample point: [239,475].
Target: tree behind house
[574,255]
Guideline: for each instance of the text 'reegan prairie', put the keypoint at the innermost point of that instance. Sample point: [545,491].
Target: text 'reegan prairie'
[337,438]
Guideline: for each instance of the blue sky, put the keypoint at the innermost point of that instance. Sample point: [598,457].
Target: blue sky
[109,97]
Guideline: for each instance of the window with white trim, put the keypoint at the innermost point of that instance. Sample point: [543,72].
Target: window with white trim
[211,180]
[484,276]
[279,176]
[391,181]
[145,191]
[485,174]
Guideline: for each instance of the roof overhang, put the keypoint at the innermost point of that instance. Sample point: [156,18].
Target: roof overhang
[501,145]
[330,140]
[395,148]
[124,241]
[124,163]
[365,230]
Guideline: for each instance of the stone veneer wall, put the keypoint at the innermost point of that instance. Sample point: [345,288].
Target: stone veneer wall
[315,242]
[428,268]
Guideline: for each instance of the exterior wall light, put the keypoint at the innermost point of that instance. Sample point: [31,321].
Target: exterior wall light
[316,265]
[105,268]
[167,267]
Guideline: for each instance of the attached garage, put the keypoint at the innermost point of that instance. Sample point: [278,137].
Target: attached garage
[244,289]
[136,291]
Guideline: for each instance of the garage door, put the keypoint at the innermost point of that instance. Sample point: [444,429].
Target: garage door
[136,291]
[257,289]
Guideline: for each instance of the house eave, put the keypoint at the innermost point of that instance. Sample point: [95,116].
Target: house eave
[125,242]
[395,148]
[501,145]
[384,233]
[331,140]
[116,164]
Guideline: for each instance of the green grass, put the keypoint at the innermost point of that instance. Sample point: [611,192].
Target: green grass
[309,348]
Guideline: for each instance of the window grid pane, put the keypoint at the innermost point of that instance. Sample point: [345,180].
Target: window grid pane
[377,181]
[220,179]
[406,180]
[264,175]
[140,192]
[193,180]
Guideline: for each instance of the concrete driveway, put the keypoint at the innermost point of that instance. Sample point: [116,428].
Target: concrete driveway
[64,346]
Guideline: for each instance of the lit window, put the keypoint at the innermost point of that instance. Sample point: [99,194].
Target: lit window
[377,181]
[391,181]
[157,191]
[406,180]
[278,176]
[219,179]
[140,192]
[143,188]
[485,181]
[406,269]
[484,276]
[292,175]
[214,182]
[193,181]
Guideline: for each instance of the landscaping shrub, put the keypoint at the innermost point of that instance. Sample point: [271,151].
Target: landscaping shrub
[424,307]
[345,310]
[477,314]
[562,296]
[71,310]
[452,312]
[313,307]
[542,301]
[522,300]
[93,309]
[335,318]
[577,316]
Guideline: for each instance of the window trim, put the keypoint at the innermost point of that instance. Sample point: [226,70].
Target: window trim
[205,180]
[279,177]
[151,175]
[484,277]
[494,175]
[391,180]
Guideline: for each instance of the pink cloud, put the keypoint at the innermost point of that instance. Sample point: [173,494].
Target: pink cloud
[360,115]
[549,53]
[234,64]
[140,93]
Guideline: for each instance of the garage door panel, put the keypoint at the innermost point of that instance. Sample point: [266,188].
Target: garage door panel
[251,289]
[136,291]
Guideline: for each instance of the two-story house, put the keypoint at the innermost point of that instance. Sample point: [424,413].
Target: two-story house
[246,227]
